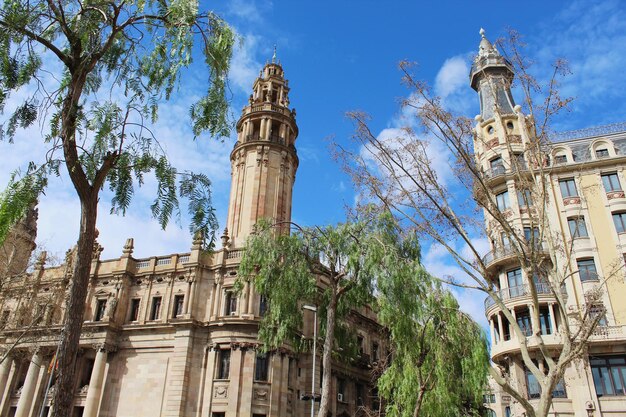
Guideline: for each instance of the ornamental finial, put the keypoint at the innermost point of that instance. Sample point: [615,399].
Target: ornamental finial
[274,56]
[482,32]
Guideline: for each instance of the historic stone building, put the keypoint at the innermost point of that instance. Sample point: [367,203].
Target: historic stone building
[167,336]
[585,210]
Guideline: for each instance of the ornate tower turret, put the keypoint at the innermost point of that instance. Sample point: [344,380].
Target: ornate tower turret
[491,76]
[264,160]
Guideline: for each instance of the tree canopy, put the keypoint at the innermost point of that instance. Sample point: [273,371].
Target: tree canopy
[368,262]
[92,73]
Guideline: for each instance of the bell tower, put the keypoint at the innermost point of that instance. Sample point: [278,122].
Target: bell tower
[264,160]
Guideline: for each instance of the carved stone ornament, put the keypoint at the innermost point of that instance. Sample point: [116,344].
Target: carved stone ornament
[615,194]
[220,392]
[260,394]
[571,201]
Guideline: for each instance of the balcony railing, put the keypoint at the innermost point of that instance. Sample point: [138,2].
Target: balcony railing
[506,294]
[499,170]
[506,251]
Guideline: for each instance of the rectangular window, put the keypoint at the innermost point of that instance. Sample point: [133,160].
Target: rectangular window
[375,351]
[230,304]
[223,371]
[560,159]
[87,370]
[568,188]
[497,167]
[134,309]
[360,395]
[155,312]
[514,279]
[502,201]
[577,227]
[523,321]
[262,305]
[218,414]
[262,367]
[519,161]
[619,219]
[598,310]
[609,375]
[179,302]
[101,306]
[544,320]
[6,313]
[524,198]
[341,389]
[531,235]
[602,153]
[534,389]
[587,269]
[361,345]
[611,182]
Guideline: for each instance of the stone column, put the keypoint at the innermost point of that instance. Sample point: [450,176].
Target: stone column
[192,292]
[96,383]
[500,327]
[25,402]
[552,317]
[5,369]
[244,298]
[492,331]
[251,299]
[511,325]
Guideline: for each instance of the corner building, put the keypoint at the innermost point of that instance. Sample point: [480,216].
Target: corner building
[166,336]
[586,209]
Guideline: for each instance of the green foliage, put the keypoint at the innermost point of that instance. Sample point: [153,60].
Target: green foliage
[278,265]
[21,193]
[119,60]
[435,347]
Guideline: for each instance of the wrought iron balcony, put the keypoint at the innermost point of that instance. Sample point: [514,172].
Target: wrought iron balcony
[506,294]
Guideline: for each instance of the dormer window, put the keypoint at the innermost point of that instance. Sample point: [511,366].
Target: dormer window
[560,159]
[602,153]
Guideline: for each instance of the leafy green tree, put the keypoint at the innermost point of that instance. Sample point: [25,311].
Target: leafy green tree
[341,268]
[440,359]
[118,60]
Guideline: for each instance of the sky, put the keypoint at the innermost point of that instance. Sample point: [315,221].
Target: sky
[342,56]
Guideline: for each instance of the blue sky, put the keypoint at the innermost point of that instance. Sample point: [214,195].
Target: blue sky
[341,56]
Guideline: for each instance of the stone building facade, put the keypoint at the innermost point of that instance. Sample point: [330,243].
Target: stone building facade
[585,210]
[166,335]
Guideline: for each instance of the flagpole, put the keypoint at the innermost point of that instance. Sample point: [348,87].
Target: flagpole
[51,369]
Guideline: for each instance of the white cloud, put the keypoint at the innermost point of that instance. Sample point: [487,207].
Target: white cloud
[452,76]
[244,66]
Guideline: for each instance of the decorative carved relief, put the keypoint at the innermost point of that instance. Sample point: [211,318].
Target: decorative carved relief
[571,201]
[615,194]
[220,392]
[260,394]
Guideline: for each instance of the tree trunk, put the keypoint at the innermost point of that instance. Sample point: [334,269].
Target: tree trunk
[70,334]
[327,354]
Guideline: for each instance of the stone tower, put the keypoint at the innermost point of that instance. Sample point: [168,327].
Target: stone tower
[20,242]
[264,160]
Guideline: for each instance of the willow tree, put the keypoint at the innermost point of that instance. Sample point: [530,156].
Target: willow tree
[93,73]
[337,268]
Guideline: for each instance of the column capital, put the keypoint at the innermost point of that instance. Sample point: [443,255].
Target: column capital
[104,347]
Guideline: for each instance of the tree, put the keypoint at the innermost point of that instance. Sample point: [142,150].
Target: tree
[399,174]
[439,354]
[118,60]
[337,268]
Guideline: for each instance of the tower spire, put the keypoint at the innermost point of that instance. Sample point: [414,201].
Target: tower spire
[274,56]
[491,76]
